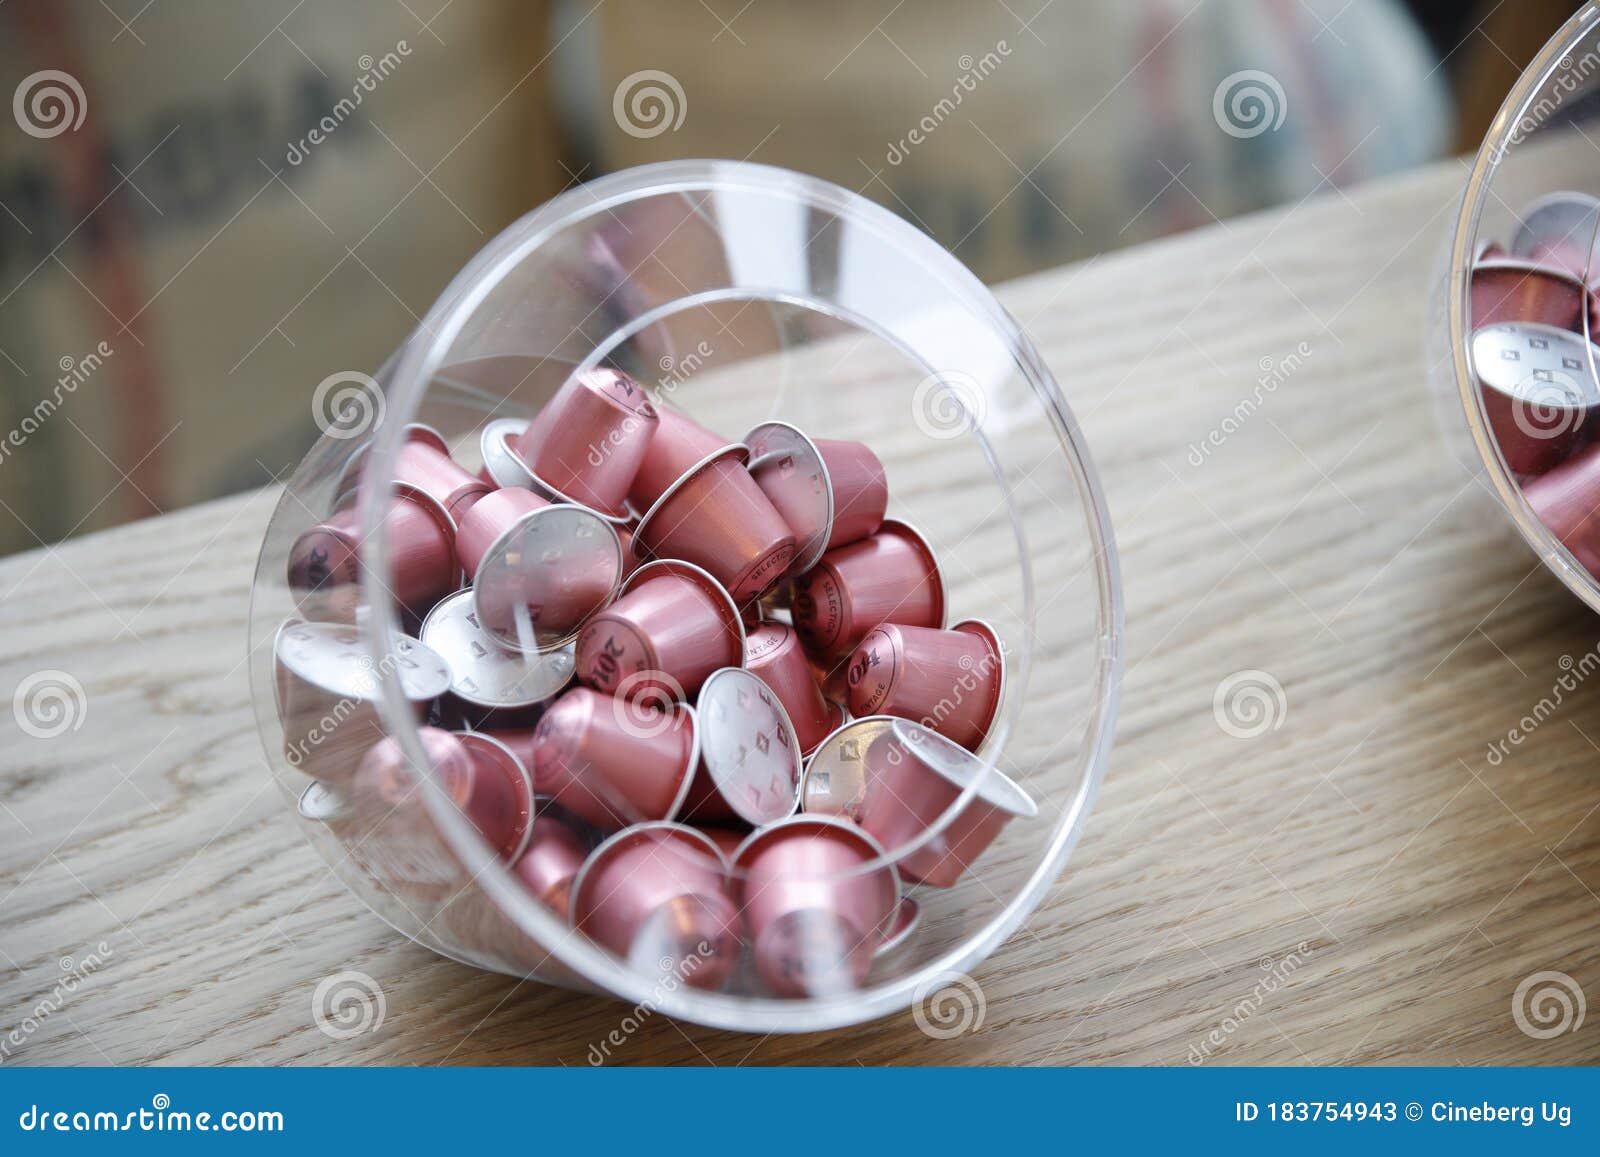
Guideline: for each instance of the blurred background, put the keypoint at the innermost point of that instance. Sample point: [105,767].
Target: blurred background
[206,208]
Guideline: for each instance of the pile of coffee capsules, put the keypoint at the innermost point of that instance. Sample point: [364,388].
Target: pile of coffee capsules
[1534,317]
[700,695]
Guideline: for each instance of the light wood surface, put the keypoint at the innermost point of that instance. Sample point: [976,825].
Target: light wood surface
[1366,850]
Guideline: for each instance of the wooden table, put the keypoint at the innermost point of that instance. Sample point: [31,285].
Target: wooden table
[1366,855]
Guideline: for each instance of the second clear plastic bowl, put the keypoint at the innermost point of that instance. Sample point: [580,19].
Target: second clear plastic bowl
[1540,143]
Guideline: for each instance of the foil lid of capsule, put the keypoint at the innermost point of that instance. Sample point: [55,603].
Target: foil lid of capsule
[837,773]
[485,673]
[540,581]
[1538,390]
[789,468]
[1538,364]
[500,462]
[748,746]
[335,658]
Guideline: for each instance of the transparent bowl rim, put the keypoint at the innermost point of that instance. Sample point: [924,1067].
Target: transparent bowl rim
[1552,58]
[424,353]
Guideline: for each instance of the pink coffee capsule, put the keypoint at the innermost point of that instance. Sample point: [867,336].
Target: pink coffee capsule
[860,490]
[555,854]
[328,687]
[892,577]
[324,567]
[829,492]
[658,896]
[818,896]
[480,778]
[773,653]
[671,627]
[1560,229]
[425,463]
[1539,391]
[587,444]
[1511,289]
[613,762]
[678,445]
[1567,501]
[749,756]
[348,487]
[951,681]
[716,517]
[400,845]
[935,806]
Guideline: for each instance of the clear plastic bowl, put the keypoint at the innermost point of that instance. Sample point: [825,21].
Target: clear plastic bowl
[741,294]
[1540,144]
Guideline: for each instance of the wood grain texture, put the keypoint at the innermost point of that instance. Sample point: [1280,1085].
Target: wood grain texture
[1365,852]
